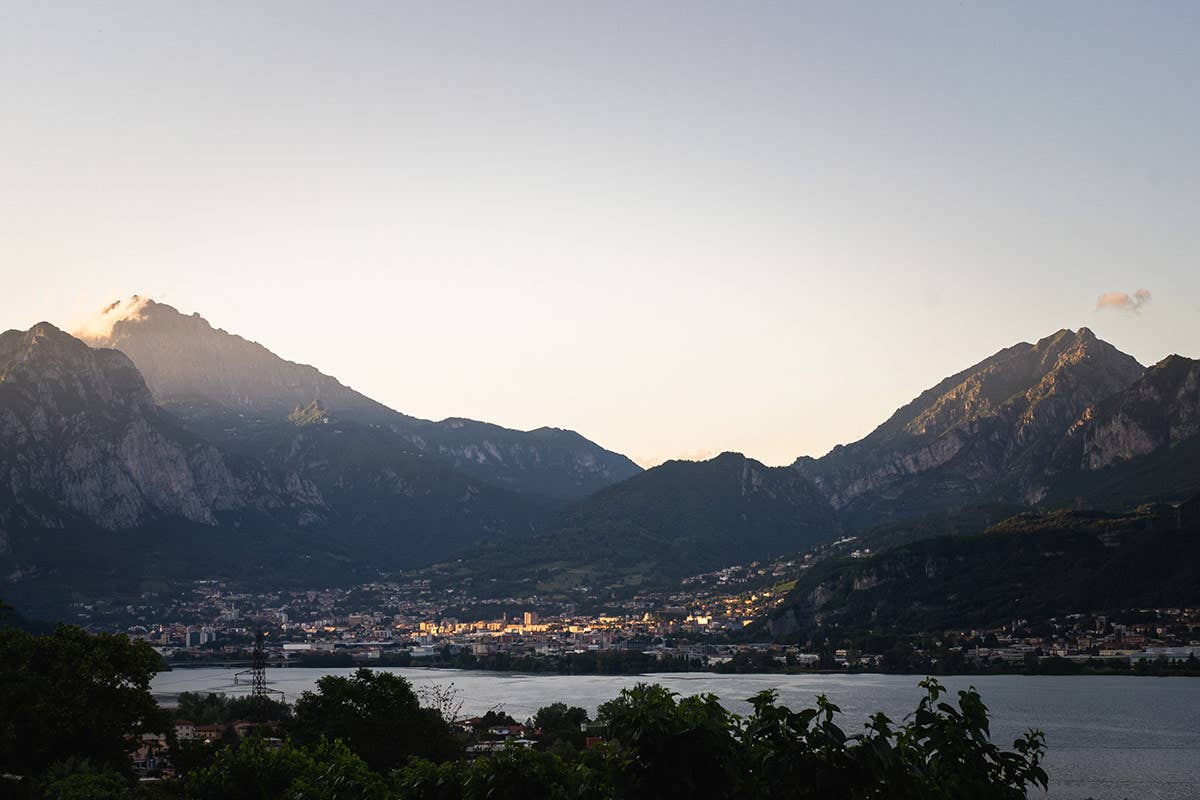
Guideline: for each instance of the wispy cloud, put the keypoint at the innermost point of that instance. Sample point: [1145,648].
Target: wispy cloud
[100,326]
[1122,301]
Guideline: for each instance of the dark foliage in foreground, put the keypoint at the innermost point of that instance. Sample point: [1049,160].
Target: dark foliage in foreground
[70,693]
[70,699]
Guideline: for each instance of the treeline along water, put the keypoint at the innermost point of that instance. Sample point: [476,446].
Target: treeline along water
[1108,736]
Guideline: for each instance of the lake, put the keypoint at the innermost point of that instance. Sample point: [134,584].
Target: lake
[1109,737]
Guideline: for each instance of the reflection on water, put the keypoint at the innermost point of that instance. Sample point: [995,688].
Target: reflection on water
[1110,737]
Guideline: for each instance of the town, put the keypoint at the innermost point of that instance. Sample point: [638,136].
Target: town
[707,622]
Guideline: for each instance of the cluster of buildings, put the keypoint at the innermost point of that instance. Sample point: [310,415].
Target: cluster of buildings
[700,620]
[1170,635]
[210,621]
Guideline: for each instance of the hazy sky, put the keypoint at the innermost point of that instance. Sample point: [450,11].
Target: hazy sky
[678,229]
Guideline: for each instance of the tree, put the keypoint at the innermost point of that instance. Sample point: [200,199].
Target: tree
[520,773]
[71,694]
[202,709]
[79,780]
[661,748]
[561,723]
[190,755]
[378,715]
[255,770]
[948,753]
[209,709]
[941,753]
[421,779]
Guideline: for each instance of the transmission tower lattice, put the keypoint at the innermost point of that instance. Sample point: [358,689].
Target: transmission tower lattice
[258,667]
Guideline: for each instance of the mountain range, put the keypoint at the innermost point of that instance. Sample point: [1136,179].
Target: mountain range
[192,453]
[155,447]
[1068,420]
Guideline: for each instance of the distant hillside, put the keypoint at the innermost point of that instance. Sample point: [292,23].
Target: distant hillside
[1069,421]
[218,382]
[677,519]
[966,521]
[1030,566]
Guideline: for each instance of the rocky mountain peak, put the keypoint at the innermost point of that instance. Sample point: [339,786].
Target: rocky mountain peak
[186,361]
[47,366]
[994,424]
[42,341]
[216,381]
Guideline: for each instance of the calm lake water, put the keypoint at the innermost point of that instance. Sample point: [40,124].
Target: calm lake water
[1109,737]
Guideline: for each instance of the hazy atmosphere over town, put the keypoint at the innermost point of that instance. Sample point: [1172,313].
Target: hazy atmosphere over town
[621,400]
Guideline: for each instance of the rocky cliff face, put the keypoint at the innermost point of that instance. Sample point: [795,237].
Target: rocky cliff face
[81,439]
[1160,410]
[986,431]
[217,382]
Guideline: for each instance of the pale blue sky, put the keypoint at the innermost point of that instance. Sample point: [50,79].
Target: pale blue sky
[676,228]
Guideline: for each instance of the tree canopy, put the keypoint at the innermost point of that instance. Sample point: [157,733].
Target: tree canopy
[378,715]
[74,694]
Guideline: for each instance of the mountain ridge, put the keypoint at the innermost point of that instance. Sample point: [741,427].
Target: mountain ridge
[985,432]
[215,379]
[1068,419]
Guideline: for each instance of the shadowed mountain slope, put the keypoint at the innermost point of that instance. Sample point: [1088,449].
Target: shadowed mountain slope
[1031,566]
[677,519]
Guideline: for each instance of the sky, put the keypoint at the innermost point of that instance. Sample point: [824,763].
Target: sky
[676,228]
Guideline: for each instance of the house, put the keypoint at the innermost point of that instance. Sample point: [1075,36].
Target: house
[507,730]
[150,755]
[185,730]
[210,733]
[244,728]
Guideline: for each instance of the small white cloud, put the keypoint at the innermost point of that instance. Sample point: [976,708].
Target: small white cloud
[1121,301]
